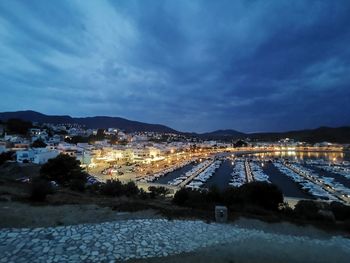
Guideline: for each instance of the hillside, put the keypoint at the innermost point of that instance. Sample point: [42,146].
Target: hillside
[89,122]
[339,135]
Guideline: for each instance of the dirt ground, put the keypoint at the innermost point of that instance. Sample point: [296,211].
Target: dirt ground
[15,214]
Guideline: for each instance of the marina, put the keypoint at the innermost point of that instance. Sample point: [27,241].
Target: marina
[298,176]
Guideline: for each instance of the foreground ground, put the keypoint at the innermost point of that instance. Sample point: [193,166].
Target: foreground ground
[83,227]
[151,240]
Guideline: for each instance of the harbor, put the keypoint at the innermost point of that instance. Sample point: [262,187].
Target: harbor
[301,178]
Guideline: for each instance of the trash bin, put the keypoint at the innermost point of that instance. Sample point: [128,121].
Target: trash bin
[221,214]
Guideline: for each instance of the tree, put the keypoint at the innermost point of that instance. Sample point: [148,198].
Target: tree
[262,194]
[181,197]
[39,143]
[158,191]
[18,126]
[240,143]
[63,169]
[40,188]
[5,156]
[112,188]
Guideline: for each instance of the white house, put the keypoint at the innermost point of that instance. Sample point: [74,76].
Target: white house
[36,155]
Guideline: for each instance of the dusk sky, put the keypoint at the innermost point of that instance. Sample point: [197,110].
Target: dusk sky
[192,65]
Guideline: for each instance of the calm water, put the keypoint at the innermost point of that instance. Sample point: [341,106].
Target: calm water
[338,178]
[222,176]
[288,187]
[328,156]
[175,174]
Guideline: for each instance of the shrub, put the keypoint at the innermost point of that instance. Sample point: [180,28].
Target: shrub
[158,191]
[230,196]
[181,197]
[213,195]
[77,185]
[112,188]
[5,156]
[307,209]
[39,143]
[40,189]
[340,211]
[143,194]
[131,189]
[261,194]
[63,169]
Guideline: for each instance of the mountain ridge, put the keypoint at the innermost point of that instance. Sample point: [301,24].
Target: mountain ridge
[89,122]
[330,134]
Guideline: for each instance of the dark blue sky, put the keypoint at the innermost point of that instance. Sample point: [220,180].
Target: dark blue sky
[193,65]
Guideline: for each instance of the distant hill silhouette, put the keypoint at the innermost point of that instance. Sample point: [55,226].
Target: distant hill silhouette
[89,122]
[340,135]
[322,134]
[222,135]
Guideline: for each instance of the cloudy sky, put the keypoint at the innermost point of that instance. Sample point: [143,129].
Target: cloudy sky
[192,65]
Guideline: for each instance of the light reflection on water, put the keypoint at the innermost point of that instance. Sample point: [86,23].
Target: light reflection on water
[328,156]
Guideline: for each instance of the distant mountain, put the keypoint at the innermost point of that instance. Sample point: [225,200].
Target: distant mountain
[89,122]
[339,135]
[322,134]
[223,134]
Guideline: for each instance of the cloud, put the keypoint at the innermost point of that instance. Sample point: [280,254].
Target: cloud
[193,65]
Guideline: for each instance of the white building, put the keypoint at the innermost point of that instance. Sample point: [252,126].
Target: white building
[36,155]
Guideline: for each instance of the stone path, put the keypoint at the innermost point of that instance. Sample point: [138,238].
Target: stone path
[123,240]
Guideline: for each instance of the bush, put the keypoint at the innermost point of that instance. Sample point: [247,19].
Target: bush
[231,197]
[77,185]
[40,189]
[143,194]
[63,169]
[261,194]
[158,191]
[18,126]
[257,194]
[307,209]
[112,188]
[5,156]
[340,211]
[39,143]
[131,189]
[181,197]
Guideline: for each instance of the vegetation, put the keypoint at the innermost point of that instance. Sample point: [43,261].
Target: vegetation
[6,156]
[77,139]
[40,188]
[39,143]
[258,194]
[116,188]
[18,126]
[158,191]
[64,170]
[240,143]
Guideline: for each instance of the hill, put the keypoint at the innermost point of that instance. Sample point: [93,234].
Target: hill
[89,122]
[339,135]
[222,135]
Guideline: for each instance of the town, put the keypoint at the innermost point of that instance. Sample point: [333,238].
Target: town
[162,159]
